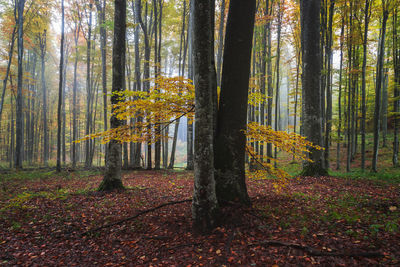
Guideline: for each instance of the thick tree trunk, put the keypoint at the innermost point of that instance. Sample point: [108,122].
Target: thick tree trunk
[204,205]
[312,118]
[378,87]
[112,177]
[232,113]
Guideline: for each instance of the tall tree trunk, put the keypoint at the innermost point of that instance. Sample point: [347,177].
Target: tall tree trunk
[384,113]
[269,81]
[232,113]
[204,205]
[88,88]
[138,83]
[42,42]
[157,145]
[396,66]
[367,15]
[278,60]
[312,118]
[146,83]
[20,102]
[74,96]
[339,129]
[263,74]
[190,162]
[328,51]
[101,9]
[378,86]
[112,176]
[60,91]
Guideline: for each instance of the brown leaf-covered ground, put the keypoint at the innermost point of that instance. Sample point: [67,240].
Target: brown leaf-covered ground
[41,222]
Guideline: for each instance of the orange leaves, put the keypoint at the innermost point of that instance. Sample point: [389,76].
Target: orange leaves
[291,143]
[169,99]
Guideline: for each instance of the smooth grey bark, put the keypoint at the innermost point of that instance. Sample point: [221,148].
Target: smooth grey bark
[384,113]
[138,82]
[367,15]
[232,112]
[312,118]
[204,205]
[328,51]
[396,92]
[33,117]
[60,91]
[19,129]
[146,83]
[278,60]
[101,9]
[181,69]
[263,73]
[269,80]
[74,94]
[42,38]
[349,84]
[339,129]
[88,87]
[112,177]
[157,31]
[378,86]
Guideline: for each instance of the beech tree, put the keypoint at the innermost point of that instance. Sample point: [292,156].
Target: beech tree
[112,176]
[312,112]
[19,105]
[60,90]
[205,205]
[230,146]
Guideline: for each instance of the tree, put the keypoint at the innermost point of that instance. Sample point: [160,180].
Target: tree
[101,10]
[60,91]
[112,177]
[205,205]
[396,66]
[232,112]
[367,15]
[19,105]
[312,118]
[77,28]
[378,86]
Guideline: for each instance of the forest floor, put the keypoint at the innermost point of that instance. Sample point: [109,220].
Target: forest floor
[45,219]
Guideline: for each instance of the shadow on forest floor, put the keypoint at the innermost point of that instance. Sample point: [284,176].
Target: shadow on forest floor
[313,221]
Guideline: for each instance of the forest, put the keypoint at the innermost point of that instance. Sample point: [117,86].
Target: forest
[199,133]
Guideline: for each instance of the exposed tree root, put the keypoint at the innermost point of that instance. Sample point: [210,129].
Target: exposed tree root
[315,252]
[135,216]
